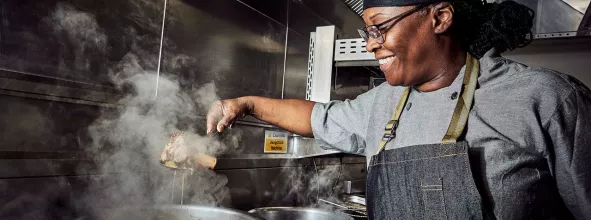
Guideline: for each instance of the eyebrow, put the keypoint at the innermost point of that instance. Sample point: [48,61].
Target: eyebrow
[375,15]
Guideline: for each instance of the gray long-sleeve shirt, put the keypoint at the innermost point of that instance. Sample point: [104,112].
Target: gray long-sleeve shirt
[526,125]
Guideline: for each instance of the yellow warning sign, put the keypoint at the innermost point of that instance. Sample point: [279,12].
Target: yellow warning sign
[275,142]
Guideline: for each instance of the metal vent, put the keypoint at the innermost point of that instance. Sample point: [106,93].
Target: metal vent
[310,65]
[355,5]
[351,49]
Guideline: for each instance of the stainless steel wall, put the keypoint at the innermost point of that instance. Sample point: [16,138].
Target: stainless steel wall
[55,81]
[567,55]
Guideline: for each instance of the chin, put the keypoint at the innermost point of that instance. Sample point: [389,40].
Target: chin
[394,80]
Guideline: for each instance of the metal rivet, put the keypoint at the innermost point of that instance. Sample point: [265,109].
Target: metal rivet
[454,96]
[408,106]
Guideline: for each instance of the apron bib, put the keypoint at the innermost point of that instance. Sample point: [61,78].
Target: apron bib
[432,181]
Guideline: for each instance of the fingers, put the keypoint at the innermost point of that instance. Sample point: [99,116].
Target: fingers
[215,112]
[224,123]
[223,115]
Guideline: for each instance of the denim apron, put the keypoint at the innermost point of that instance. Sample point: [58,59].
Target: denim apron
[432,181]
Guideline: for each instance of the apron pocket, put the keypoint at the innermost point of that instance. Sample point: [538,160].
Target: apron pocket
[433,202]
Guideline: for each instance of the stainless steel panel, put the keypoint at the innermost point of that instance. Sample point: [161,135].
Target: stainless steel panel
[323,64]
[567,55]
[55,98]
[81,41]
[349,82]
[252,188]
[247,161]
[225,42]
[354,159]
[275,9]
[289,184]
[259,161]
[58,91]
[303,20]
[555,16]
[585,26]
[20,168]
[337,13]
[296,66]
[354,171]
[308,147]
[66,197]
[33,125]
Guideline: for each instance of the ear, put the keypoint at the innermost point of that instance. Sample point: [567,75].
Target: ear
[442,17]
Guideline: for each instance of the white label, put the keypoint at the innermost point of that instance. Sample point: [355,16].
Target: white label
[275,142]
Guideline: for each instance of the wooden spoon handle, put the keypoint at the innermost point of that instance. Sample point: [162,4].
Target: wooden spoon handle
[204,160]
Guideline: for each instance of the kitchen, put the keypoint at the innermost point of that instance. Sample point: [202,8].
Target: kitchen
[92,91]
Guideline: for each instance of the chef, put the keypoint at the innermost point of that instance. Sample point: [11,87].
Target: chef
[457,131]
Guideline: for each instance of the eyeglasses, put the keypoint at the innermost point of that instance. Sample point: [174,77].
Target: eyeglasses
[377,31]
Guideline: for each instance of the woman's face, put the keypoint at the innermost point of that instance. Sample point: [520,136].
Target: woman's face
[407,47]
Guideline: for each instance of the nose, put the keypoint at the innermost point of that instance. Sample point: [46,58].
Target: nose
[372,45]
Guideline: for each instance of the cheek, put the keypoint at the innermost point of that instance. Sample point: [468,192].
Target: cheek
[394,41]
[400,41]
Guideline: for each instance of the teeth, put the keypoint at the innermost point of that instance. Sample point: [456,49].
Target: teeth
[386,60]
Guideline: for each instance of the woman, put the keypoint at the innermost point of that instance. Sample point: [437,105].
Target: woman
[468,134]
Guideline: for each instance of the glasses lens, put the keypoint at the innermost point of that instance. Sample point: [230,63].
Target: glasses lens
[380,39]
[362,33]
[373,31]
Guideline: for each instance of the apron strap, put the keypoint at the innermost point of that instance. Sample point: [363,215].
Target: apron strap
[461,112]
[460,116]
[390,130]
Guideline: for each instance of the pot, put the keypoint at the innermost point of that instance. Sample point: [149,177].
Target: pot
[177,212]
[297,213]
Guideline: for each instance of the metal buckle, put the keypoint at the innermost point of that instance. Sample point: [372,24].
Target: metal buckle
[390,133]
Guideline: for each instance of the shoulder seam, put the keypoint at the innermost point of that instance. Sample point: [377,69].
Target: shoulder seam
[547,123]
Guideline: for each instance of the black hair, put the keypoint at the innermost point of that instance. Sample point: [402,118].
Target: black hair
[482,26]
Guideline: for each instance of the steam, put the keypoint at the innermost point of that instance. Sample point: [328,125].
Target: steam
[325,182]
[127,141]
[80,28]
[311,184]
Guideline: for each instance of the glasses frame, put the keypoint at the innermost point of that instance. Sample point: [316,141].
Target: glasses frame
[379,30]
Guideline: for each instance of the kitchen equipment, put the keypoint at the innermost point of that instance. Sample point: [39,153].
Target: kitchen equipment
[177,155]
[354,186]
[297,213]
[351,209]
[177,212]
[355,199]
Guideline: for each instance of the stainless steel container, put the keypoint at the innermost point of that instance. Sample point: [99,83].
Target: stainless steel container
[176,212]
[296,213]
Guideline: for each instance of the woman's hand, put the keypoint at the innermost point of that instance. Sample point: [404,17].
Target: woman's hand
[222,114]
[290,114]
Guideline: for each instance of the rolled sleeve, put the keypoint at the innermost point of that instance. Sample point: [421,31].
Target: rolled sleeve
[570,131]
[343,125]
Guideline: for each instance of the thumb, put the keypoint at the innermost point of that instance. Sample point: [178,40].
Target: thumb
[214,114]
[225,122]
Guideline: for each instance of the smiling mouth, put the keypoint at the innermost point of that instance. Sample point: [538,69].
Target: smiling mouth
[386,62]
